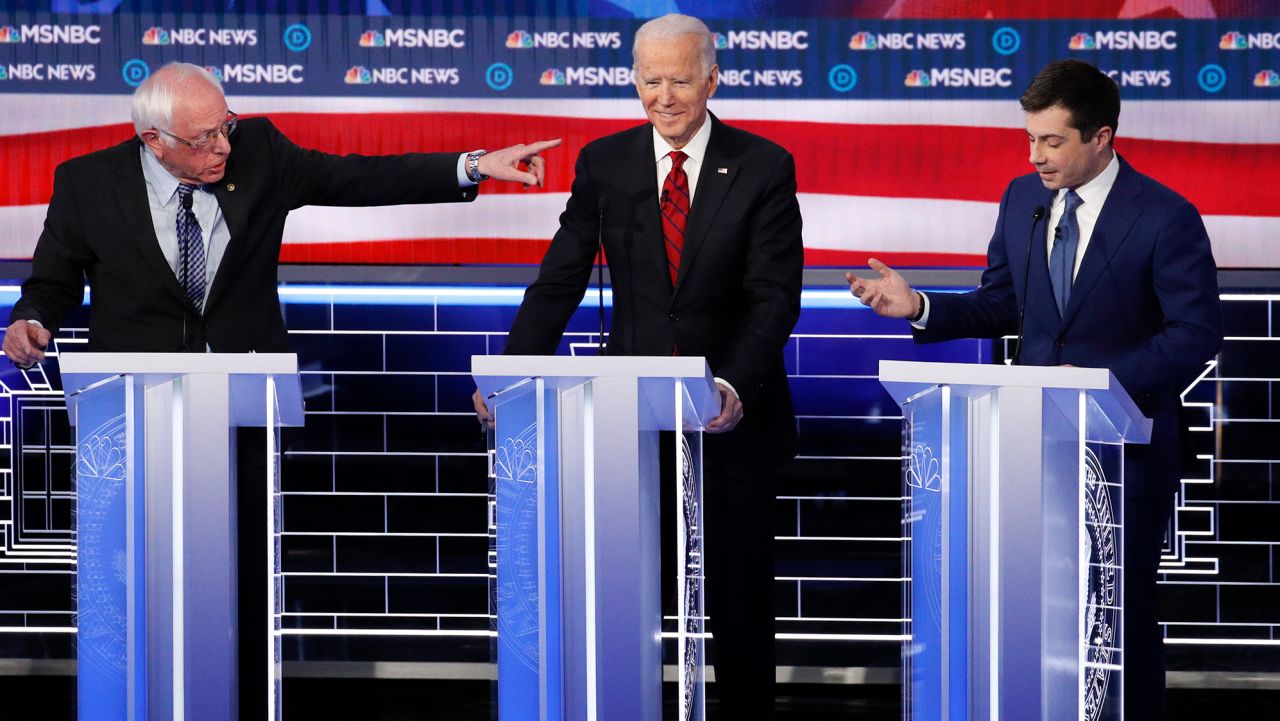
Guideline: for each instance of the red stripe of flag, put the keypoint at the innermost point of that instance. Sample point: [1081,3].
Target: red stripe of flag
[894,161]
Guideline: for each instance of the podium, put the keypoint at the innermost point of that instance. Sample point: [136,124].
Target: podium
[1013,507]
[576,481]
[156,526]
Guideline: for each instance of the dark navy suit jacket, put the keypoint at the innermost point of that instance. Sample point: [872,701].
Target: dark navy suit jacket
[1144,303]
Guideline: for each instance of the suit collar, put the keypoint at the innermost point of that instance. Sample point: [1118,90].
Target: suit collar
[131,196]
[719,168]
[232,198]
[1118,215]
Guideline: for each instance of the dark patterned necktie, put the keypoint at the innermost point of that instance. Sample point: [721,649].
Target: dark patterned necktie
[1062,259]
[675,212]
[190,249]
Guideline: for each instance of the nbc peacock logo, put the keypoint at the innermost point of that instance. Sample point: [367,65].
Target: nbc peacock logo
[358,75]
[1233,41]
[519,40]
[10,34]
[863,41]
[552,76]
[1266,79]
[156,36]
[1082,41]
[722,42]
[215,72]
[918,79]
[372,39]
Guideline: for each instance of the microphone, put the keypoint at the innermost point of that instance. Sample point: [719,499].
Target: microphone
[604,203]
[187,201]
[665,197]
[1026,277]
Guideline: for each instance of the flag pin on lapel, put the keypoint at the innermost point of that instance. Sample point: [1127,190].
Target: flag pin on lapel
[231,187]
[722,171]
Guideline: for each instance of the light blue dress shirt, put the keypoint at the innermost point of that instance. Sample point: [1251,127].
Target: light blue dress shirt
[162,197]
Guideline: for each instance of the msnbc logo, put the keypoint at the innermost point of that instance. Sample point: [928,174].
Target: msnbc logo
[1083,41]
[358,75]
[918,79]
[10,34]
[551,76]
[862,41]
[215,72]
[1266,79]
[519,40]
[156,36]
[372,39]
[722,42]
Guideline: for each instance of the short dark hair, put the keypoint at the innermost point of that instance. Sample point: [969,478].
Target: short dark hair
[1092,98]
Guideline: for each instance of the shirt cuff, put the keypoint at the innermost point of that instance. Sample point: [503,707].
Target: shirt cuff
[463,180]
[727,384]
[924,313]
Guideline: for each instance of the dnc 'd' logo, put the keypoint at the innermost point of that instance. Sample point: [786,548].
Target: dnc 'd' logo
[1266,79]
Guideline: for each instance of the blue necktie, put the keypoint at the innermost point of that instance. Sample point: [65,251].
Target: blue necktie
[190,249]
[1062,258]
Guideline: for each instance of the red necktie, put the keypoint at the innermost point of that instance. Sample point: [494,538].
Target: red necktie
[675,212]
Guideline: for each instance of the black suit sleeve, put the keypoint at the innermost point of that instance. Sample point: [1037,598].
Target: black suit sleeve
[771,285]
[564,274]
[310,177]
[56,284]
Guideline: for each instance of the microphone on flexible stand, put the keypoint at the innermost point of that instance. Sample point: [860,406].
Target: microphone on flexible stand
[187,201]
[604,203]
[666,196]
[1026,277]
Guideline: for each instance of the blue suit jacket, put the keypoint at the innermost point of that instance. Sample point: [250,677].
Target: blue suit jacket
[1144,303]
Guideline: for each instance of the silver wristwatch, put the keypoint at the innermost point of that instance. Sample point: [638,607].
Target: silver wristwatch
[473,166]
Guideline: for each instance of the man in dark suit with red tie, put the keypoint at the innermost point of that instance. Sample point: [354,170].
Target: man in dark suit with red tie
[701,229]
[1118,274]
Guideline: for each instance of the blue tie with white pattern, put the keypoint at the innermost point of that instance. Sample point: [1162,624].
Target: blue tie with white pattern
[1062,259]
[190,249]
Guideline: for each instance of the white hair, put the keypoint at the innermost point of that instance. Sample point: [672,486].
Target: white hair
[154,99]
[675,25]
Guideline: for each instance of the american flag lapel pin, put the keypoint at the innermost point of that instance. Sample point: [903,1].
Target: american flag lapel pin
[722,171]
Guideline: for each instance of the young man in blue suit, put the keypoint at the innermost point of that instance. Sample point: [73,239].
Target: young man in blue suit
[1119,274]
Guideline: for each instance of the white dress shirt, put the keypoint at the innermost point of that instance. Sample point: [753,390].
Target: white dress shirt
[696,149]
[1094,194]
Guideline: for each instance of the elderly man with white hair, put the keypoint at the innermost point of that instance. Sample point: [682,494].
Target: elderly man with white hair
[177,231]
[701,228]
[179,236]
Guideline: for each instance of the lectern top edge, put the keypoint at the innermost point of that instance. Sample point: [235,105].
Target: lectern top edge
[589,366]
[178,363]
[979,374]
